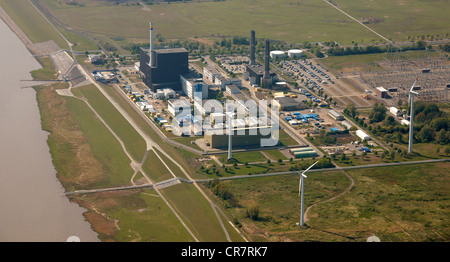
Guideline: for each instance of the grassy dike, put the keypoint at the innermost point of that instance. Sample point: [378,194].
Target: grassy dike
[87,156]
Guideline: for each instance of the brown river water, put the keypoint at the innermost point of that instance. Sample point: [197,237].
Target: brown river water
[32,205]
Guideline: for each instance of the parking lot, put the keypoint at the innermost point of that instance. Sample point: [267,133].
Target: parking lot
[316,77]
[234,64]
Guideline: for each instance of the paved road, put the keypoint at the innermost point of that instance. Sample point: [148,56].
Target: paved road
[272,174]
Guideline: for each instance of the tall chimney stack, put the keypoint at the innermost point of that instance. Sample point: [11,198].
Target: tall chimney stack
[150,52]
[266,60]
[252,47]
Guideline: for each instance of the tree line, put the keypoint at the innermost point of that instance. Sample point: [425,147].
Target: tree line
[372,49]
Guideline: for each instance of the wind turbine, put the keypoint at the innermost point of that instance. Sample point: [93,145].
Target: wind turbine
[301,189]
[411,117]
[230,134]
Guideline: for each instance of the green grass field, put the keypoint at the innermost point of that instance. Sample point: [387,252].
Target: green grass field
[27,17]
[103,144]
[134,143]
[200,217]
[281,20]
[399,19]
[404,203]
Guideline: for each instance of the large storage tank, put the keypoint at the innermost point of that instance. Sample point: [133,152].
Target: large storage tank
[276,54]
[294,53]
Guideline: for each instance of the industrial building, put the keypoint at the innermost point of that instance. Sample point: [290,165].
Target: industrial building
[179,107]
[232,89]
[206,107]
[363,136]
[224,81]
[161,68]
[105,76]
[303,152]
[381,92]
[288,103]
[94,59]
[256,74]
[191,85]
[165,93]
[210,73]
[241,137]
[335,115]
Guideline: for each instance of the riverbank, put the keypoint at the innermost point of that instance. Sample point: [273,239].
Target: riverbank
[34,208]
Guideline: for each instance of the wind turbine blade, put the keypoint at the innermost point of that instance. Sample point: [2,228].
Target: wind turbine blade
[412,87]
[304,175]
[310,167]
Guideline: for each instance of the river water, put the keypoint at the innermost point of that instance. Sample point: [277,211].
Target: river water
[32,205]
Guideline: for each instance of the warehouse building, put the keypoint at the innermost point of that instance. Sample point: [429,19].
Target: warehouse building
[288,103]
[381,92]
[191,85]
[232,89]
[210,73]
[179,107]
[335,115]
[363,136]
[242,137]
[224,81]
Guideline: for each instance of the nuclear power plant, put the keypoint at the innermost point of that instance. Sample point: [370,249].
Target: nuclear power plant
[162,67]
[257,74]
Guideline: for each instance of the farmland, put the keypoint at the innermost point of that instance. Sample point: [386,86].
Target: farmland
[400,204]
[285,20]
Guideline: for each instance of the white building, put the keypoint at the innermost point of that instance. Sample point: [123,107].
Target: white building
[363,136]
[179,107]
[210,73]
[169,93]
[94,58]
[192,86]
[232,89]
[217,118]
[236,123]
[394,111]
[206,107]
[404,122]
[223,81]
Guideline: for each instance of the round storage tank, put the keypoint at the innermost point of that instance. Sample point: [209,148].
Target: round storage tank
[294,53]
[277,54]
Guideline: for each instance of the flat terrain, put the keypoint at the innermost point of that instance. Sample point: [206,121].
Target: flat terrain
[286,20]
[397,204]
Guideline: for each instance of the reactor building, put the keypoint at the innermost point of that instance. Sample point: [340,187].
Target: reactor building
[162,67]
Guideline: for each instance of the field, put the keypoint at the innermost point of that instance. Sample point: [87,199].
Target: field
[27,17]
[399,19]
[285,20]
[397,204]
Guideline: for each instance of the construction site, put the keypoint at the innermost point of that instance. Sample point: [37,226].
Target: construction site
[399,73]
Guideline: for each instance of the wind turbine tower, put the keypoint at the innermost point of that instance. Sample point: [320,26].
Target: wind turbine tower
[301,188]
[411,117]
[230,134]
